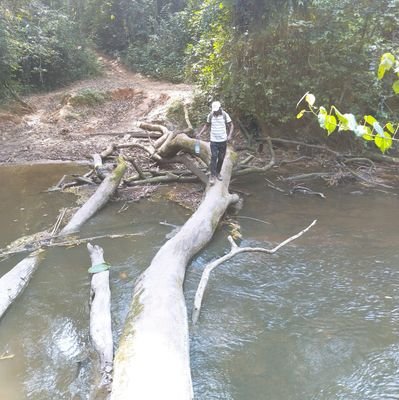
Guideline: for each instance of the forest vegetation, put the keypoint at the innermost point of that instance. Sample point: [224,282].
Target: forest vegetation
[258,56]
[284,69]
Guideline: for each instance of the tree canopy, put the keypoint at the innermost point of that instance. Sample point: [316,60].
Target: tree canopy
[40,47]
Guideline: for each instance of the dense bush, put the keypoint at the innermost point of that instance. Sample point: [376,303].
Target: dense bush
[41,48]
[86,97]
[262,56]
[163,53]
[149,35]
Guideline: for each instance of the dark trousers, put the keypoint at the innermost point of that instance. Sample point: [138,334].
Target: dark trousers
[218,151]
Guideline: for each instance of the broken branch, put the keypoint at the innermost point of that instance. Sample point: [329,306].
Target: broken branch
[252,170]
[233,252]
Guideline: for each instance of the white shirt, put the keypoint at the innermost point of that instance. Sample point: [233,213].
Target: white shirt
[218,126]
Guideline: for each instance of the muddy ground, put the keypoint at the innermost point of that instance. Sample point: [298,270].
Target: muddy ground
[62,128]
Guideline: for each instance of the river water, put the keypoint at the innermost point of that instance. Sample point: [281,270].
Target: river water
[318,320]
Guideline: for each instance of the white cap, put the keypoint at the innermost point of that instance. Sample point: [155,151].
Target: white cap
[216,105]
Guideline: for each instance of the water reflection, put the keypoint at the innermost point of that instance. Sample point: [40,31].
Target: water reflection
[318,320]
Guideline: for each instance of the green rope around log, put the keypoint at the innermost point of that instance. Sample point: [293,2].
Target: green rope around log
[95,269]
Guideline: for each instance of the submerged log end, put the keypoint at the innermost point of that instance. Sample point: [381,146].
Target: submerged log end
[195,315]
[14,282]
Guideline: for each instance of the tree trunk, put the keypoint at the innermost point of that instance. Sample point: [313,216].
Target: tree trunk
[152,361]
[96,201]
[15,281]
[100,322]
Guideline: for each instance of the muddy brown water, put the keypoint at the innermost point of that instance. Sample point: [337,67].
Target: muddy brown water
[319,320]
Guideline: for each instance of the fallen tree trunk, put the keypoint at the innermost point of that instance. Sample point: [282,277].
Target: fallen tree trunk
[15,281]
[152,361]
[134,134]
[100,320]
[23,271]
[100,197]
[161,179]
[381,157]
[191,167]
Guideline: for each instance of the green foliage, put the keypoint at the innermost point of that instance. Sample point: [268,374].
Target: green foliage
[388,62]
[53,54]
[175,113]
[259,56]
[163,53]
[5,62]
[369,130]
[198,110]
[10,50]
[40,47]
[149,35]
[105,21]
[209,50]
[87,97]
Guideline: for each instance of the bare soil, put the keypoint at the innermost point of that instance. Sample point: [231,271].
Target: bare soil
[60,130]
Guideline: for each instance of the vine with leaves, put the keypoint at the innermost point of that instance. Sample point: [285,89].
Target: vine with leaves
[370,129]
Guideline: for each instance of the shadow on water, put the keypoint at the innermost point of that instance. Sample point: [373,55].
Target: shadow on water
[318,320]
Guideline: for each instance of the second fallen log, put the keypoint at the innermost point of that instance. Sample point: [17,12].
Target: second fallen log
[100,317]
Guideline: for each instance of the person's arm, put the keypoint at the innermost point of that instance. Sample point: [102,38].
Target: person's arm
[230,125]
[203,129]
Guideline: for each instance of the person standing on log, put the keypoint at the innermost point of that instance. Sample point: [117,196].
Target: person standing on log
[218,121]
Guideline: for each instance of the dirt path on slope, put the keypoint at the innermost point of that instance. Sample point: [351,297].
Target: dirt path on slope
[62,128]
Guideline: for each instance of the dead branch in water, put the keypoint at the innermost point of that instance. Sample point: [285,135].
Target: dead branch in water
[233,252]
[97,200]
[304,190]
[50,242]
[7,356]
[190,166]
[363,179]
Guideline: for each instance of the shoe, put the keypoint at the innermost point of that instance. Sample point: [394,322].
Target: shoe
[211,180]
[219,177]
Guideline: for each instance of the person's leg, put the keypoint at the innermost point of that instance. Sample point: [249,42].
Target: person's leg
[222,146]
[214,156]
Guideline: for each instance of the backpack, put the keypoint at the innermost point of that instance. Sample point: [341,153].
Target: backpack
[224,116]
